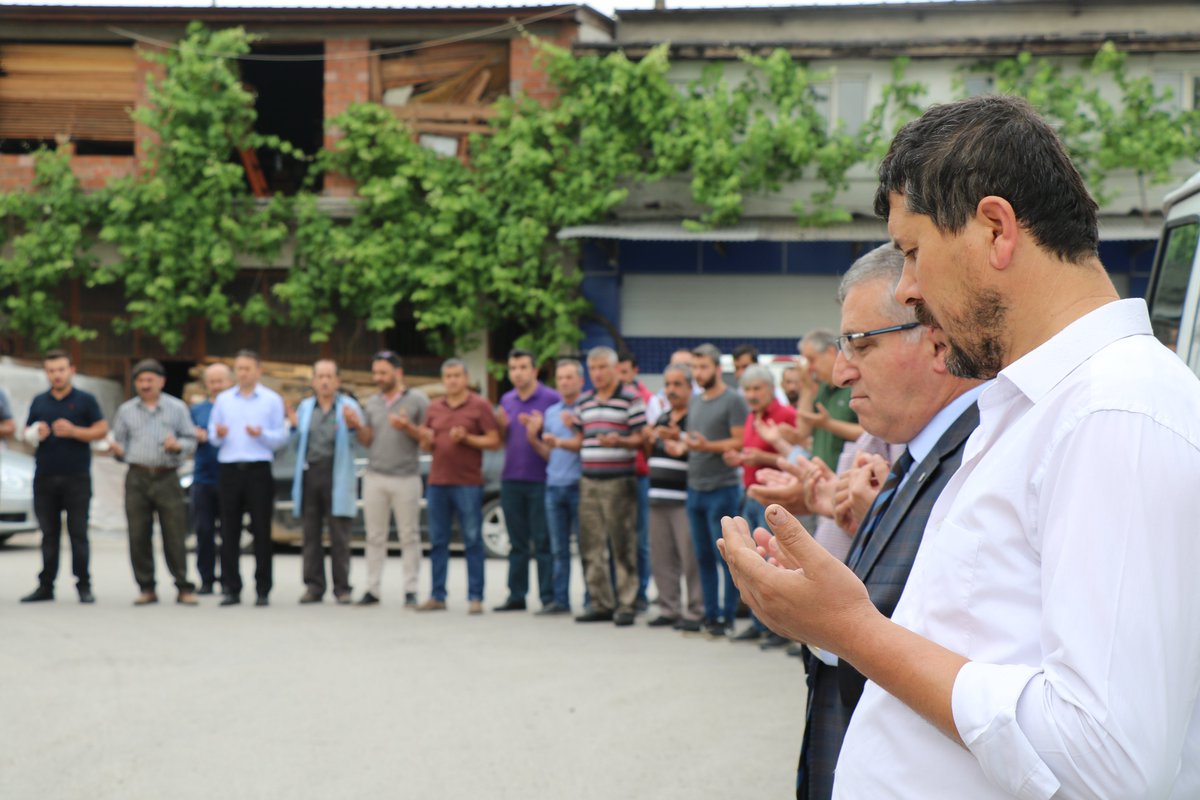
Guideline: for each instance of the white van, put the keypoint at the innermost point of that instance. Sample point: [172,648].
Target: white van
[1174,292]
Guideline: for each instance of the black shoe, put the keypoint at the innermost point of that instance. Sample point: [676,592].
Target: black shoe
[369,599]
[595,616]
[751,634]
[663,622]
[410,600]
[716,629]
[642,605]
[343,599]
[39,595]
[205,588]
[86,597]
[743,611]
[623,618]
[231,600]
[773,642]
[262,601]
[688,625]
[795,649]
[511,605]
[552,609]
[306,598]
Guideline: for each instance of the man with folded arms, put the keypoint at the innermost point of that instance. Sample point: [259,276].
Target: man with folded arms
[153,434]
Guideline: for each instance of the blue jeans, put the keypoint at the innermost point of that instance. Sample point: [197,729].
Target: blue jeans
[467,503]
[524,504]
[643,530]
[754,513]
[705,509]
[562,518]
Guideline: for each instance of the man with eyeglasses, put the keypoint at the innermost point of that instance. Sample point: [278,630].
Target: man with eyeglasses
[895,372]
[828,419]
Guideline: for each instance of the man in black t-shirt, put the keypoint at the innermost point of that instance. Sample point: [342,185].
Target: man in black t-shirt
[63,423]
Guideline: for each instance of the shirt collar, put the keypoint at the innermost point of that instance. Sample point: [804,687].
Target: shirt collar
[1040,370]
[923,443]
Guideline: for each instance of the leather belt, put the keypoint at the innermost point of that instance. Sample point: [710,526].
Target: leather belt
[153,470]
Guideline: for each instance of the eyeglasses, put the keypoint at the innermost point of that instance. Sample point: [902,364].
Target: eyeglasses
[844,343]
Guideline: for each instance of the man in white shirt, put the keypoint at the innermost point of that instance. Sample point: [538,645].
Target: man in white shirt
[1046,643]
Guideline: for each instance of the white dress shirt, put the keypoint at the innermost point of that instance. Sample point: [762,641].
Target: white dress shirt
[262,408]
[1061,559]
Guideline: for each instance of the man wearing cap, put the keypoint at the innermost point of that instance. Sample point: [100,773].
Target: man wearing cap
[153,434]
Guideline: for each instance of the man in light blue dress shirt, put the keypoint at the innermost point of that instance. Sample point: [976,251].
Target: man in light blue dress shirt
[247,426]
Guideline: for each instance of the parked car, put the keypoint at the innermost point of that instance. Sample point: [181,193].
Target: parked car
[286,528]
[16,494]
[1174,291]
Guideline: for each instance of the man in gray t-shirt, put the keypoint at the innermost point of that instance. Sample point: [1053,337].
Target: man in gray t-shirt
[392,483]
[715,422]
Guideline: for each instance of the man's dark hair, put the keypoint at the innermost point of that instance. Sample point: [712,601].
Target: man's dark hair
[245,353]
[956,154]
[389,357]
[54,355]
[520,352]
[745,350]
[626,357]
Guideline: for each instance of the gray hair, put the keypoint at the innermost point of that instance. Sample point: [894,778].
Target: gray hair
[682,369]
[570,362]
[757,373]
[602,353]
[709,351]
[451,363]
[819,339]
[885,264]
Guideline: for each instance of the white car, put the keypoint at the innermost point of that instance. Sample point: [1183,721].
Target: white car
[16,494]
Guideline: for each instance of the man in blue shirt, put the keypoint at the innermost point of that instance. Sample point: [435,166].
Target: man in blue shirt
[247,426]
[63,422]
[206,506]
[562,478]
[324,487]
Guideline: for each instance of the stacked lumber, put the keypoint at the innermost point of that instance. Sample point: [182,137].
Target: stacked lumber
[83,92]
[294,381]
[450,88]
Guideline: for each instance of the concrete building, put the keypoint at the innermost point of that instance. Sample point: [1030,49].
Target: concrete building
[767,279]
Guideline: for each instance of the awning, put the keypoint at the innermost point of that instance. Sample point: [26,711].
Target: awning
[1126,228]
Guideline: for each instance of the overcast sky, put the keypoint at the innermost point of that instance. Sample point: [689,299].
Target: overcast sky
[605,6]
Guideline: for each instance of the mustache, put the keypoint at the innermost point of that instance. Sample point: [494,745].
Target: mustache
[924,315]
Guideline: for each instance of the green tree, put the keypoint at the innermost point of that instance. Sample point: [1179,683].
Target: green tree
[183,221]
[51,243]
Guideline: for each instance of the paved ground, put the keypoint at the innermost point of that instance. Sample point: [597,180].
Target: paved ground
[112,701]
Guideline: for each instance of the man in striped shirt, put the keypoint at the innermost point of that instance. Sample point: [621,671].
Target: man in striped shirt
[608,423]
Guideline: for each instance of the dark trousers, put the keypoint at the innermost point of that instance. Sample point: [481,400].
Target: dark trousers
[206,509]
[246,487]
[53,495]
[524,504]
[149,494]
[824,730]
[318,509]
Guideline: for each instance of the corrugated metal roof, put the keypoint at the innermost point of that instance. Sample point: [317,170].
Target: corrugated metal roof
[1111,229]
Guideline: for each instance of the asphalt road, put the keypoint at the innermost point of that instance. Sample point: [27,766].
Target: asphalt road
[112,701]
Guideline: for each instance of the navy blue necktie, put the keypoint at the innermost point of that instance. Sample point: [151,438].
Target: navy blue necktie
[880,506]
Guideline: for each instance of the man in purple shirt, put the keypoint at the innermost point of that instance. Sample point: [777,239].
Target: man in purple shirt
[523,482]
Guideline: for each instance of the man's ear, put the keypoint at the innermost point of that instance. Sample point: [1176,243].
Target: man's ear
[941,346]
[997,218]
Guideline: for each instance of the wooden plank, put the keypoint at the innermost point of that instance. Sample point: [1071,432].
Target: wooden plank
[67,58]
[453,112]
[448,128]
[475,89]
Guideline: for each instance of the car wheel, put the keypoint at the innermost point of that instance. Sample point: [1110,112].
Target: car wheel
[495,531]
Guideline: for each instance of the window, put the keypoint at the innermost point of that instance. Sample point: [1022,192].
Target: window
[81,92]
[1170,283]
[843,100]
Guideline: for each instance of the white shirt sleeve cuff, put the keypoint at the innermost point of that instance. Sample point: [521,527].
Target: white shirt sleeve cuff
[984,705]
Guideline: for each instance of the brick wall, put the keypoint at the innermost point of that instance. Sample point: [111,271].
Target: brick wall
[347,81]
[528,76]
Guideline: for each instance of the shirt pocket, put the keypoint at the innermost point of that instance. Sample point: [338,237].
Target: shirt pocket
[947,582]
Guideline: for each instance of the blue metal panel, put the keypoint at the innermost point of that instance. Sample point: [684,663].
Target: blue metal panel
[654,352]
[824,258]
[659,257]
[742,258]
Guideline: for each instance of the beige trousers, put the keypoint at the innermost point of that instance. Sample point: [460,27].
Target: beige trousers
[383,496]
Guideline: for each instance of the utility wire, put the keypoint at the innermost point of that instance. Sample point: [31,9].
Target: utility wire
[383,51]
